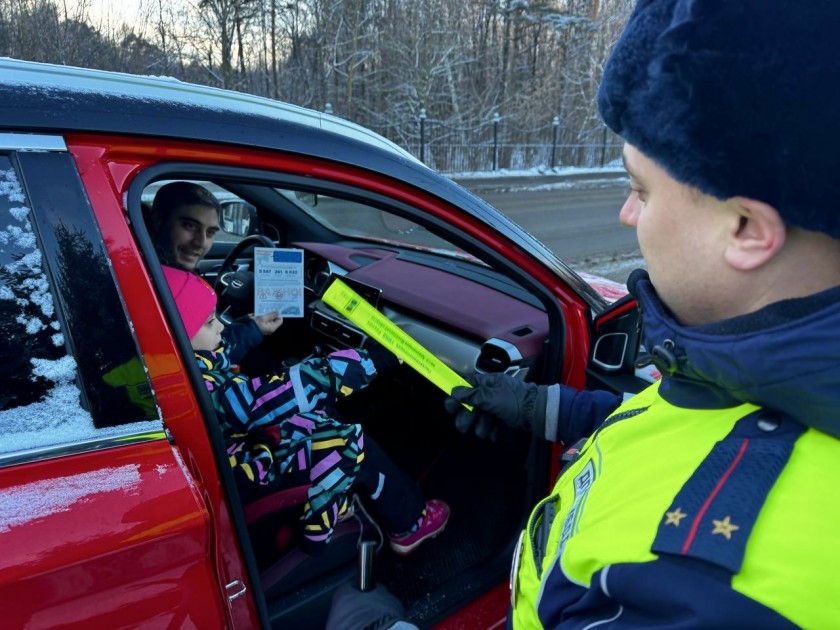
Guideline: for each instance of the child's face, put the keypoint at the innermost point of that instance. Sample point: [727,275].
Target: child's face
[209,336]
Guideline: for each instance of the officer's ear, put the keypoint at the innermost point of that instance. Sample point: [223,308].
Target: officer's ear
[758,233]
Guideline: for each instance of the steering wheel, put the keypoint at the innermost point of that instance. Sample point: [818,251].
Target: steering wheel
[235,287]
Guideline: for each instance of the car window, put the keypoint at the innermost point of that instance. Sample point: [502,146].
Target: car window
[355,219]
[70,370]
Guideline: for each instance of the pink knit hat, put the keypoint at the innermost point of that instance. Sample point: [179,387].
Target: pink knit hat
[194,298]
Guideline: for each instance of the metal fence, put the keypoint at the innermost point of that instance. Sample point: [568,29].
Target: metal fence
[457,158]
[504,143]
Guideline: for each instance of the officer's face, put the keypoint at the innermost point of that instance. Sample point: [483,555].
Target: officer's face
[682,235]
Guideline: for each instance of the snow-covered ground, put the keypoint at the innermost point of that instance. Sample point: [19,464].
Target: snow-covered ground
[616,266]
[541,171]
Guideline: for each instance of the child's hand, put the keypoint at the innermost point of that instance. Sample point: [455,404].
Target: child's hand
[269,322]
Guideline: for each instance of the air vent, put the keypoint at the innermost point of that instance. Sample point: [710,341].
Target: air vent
[497,356]
[330,327]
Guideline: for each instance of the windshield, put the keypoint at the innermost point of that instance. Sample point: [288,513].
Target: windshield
[355,219]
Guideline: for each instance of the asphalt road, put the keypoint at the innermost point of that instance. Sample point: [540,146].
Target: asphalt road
[577,218]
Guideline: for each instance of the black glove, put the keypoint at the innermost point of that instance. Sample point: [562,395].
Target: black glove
[498,399]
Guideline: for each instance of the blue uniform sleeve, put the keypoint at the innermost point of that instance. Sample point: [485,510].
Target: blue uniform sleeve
[574,413]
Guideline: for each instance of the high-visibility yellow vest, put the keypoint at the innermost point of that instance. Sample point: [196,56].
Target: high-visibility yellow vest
[718,485]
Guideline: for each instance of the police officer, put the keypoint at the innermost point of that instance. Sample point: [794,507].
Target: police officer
[712,498]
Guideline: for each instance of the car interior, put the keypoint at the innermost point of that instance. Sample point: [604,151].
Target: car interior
[464,305]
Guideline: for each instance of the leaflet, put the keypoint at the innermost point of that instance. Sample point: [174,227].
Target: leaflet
[352,306]
[278,281]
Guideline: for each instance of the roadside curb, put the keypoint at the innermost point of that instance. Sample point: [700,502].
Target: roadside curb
[512,182]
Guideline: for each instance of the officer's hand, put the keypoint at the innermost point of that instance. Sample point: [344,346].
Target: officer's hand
[497,399]
[268,323]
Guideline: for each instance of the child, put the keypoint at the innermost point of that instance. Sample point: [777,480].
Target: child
[183,221]
[279,426]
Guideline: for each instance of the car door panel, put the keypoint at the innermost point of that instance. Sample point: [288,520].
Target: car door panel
[113,529]
[112,538]
[615,346]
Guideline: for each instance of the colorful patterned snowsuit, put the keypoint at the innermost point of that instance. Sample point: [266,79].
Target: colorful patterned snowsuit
[278,425]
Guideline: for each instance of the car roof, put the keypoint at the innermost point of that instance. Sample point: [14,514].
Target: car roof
[47,96]
[55,99]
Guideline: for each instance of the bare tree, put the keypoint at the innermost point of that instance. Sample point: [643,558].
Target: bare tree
[225,20]
[377,62]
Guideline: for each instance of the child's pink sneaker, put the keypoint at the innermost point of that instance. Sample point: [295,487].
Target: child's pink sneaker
[437,514]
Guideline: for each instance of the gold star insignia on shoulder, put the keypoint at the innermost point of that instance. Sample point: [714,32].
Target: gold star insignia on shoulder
[674,517]
[724,527]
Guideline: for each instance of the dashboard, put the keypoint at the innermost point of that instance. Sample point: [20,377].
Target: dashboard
[470,317]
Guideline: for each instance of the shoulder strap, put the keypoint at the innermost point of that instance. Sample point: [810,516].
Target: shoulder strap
[713,514]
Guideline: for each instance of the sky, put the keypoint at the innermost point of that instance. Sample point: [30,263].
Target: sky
[111,11]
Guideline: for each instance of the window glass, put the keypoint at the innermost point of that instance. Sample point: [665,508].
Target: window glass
[49,395]
[359,220]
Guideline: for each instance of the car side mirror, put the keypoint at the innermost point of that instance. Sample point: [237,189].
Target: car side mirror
[610,351]
[310,199]
[239,218]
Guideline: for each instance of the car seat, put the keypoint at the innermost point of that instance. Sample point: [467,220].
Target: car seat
[272,521]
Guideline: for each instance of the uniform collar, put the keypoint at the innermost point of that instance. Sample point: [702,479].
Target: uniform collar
[784,357]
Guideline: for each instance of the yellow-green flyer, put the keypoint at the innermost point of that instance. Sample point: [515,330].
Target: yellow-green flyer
[355,308]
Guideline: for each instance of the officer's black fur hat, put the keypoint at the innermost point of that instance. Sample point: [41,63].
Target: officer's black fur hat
[736,98]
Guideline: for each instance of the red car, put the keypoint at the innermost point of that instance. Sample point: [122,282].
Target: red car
[117,504]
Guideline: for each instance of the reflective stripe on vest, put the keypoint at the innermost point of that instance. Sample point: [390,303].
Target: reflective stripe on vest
[669,480]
